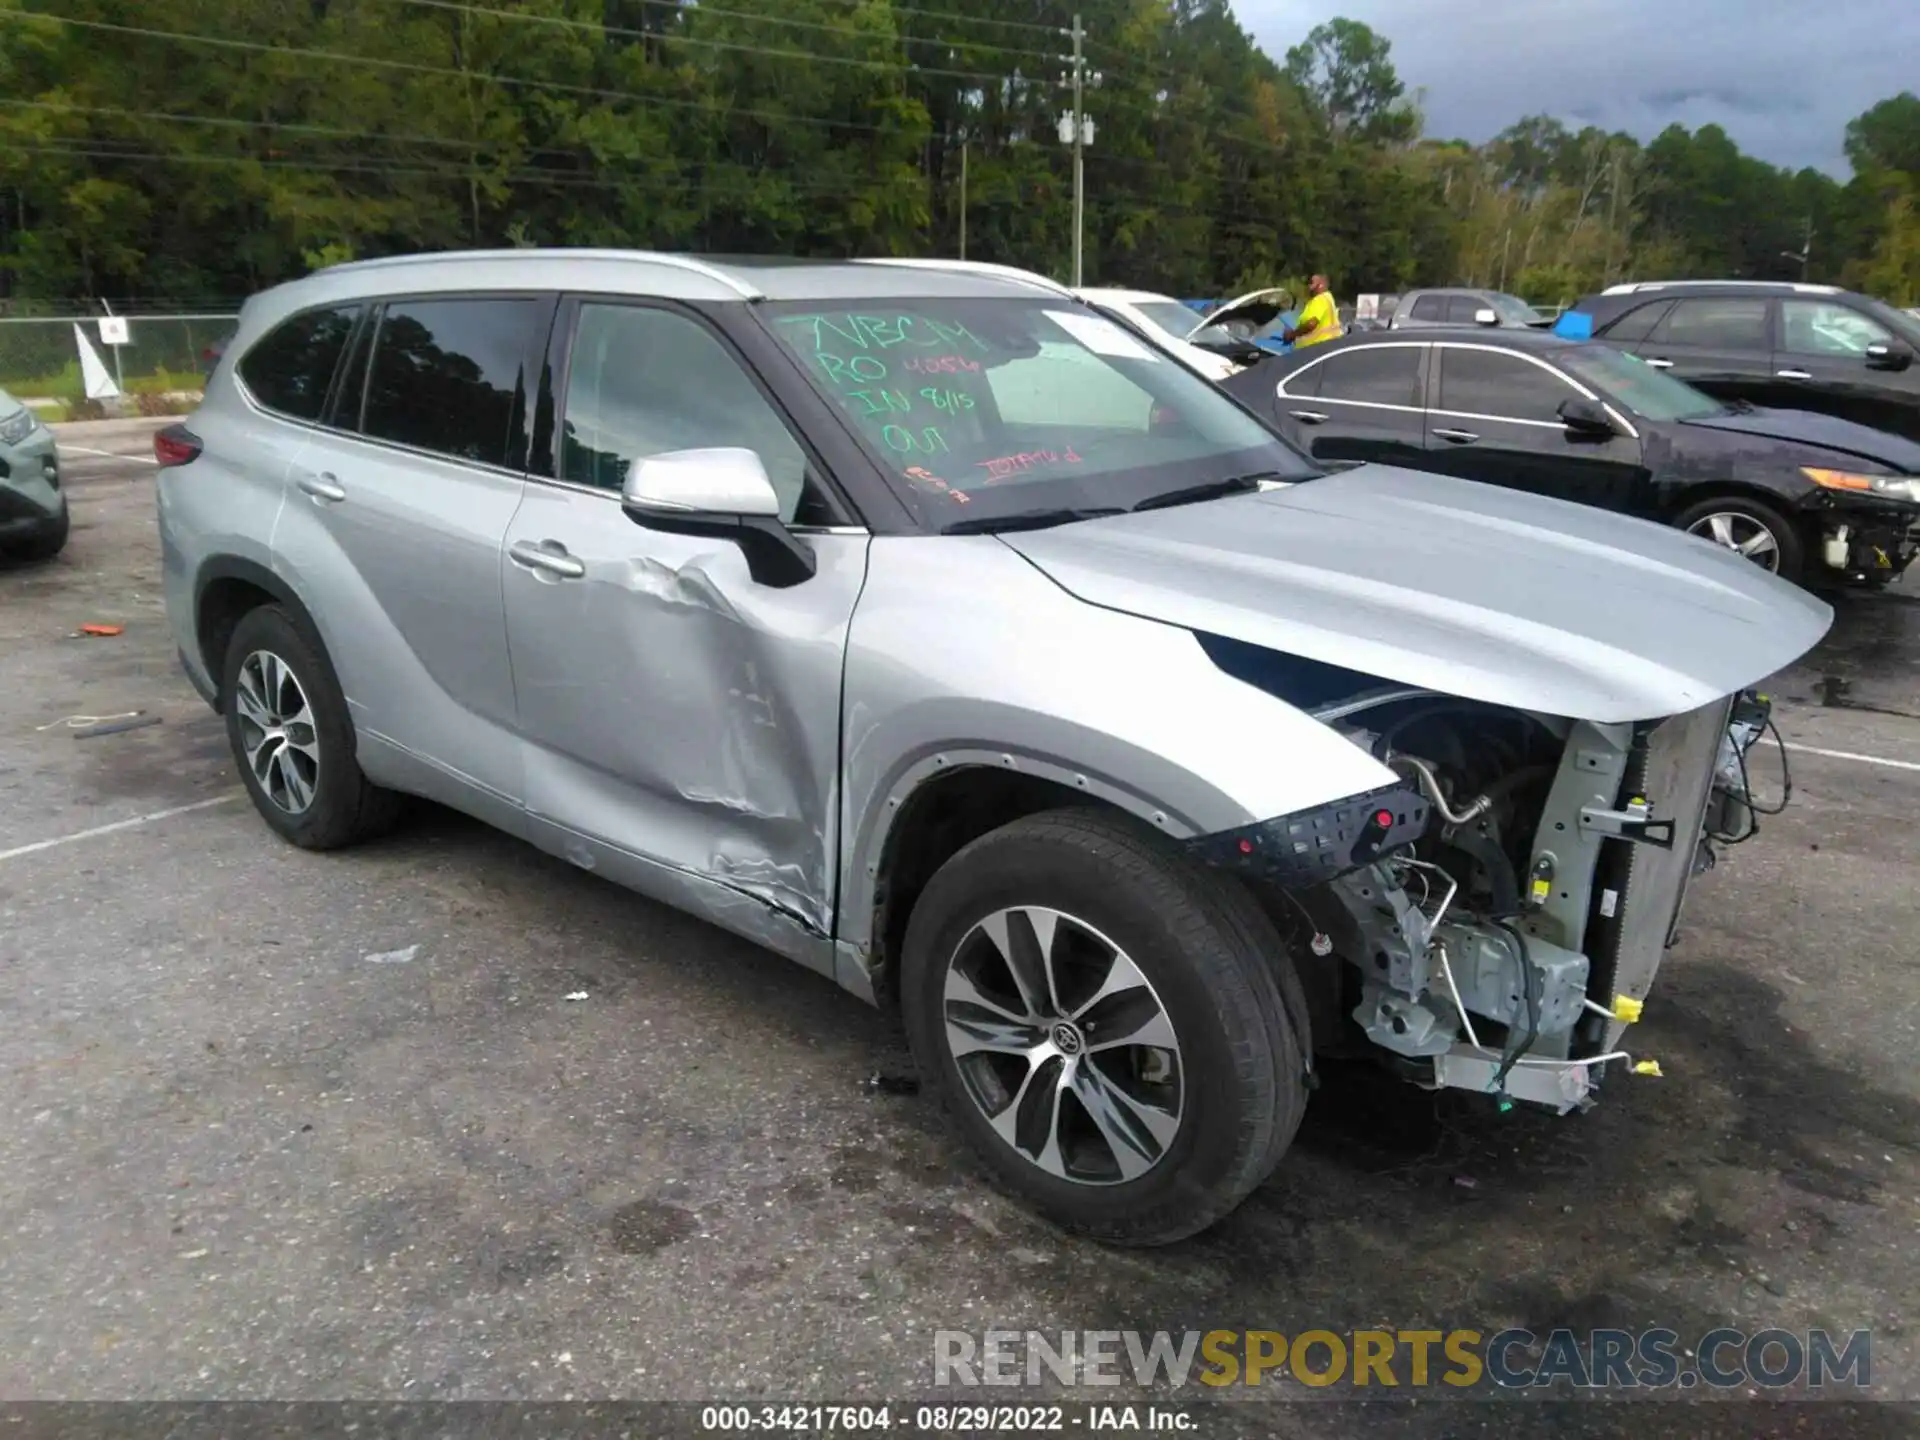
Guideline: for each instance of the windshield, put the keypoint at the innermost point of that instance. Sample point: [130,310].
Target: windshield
[1904,323]
[980,409]
[1649,393]
[1167,315]
[1515,311]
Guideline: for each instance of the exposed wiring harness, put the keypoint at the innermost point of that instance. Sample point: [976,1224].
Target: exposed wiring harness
[1466,1023]
[1754,809]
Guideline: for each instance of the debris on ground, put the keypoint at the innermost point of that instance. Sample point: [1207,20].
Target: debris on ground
[392,957]
[893,1084]
[115,727]
[576,995]
[94,628]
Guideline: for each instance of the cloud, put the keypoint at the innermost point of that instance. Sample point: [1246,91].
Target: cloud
[1781,77]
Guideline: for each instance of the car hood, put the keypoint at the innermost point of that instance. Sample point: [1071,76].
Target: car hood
[1257,308]
[1829,432]
[1483,593]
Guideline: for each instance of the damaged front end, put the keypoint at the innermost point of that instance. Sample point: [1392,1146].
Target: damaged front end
[1495,922]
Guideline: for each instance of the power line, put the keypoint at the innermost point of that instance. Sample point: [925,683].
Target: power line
[459,7]
[413,68]
[517,177]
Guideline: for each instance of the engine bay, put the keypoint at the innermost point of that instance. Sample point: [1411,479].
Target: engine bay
[1503,935]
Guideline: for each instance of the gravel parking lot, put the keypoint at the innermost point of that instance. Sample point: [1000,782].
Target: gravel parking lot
[444,1118]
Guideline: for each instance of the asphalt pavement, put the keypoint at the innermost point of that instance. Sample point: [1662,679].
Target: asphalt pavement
[443,1118]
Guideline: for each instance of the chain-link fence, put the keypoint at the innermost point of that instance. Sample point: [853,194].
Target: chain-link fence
[164,356]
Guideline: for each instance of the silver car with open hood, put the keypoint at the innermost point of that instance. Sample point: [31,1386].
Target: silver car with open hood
[942,635]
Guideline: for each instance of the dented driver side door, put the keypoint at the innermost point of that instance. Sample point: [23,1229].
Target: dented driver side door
[681,721]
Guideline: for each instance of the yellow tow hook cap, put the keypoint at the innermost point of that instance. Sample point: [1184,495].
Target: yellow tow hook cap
[1647,1067]
[1626,1008]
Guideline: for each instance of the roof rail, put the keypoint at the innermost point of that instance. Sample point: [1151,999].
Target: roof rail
[649,257]
[1635,287]
[972,267]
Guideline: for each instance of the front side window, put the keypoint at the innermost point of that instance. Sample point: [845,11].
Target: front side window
[1719,324]
[1512,310]
[1819,327]
[450,376]
[1499,386]
[1637,324]
[645,381]
[982,408]
[1429,307]
[291,368]
[1462,308]
[1373,375]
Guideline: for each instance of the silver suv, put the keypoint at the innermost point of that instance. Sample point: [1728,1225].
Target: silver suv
[933,631]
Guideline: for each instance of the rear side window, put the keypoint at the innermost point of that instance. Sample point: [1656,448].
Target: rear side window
[1429,307]
[1729,324]
[1638,323]
[450,376]
[1375,374]
[291,368]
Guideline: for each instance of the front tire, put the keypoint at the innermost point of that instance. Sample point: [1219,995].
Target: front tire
[1100,1018]
[1752,529]
[292,737]
[43,544]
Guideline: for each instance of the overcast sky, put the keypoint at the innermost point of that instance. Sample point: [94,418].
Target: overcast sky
[1782,77]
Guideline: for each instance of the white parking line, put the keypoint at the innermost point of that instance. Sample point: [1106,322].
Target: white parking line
[109,454]
[1794,747]
[138,820]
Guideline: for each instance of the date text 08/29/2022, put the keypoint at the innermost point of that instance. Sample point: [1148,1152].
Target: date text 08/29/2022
[944,1419]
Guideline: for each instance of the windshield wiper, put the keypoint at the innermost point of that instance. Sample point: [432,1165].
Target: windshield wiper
[1212,490]
[1025,520]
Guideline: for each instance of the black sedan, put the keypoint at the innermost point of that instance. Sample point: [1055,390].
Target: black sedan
[1807,496]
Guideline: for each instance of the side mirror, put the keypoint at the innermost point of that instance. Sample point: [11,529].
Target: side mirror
[1485,316]
[1586,417]
[724,493]
[1882,355]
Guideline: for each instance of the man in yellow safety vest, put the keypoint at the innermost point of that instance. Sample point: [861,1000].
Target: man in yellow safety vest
[1319,321]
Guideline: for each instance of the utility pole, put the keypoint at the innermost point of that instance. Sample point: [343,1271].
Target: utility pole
[1079,143]
[963,199]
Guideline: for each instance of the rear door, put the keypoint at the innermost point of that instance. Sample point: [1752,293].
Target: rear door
[393,528]
[1359,403]
[1821,364]
[1722,344]
[681,720]
[1495,419]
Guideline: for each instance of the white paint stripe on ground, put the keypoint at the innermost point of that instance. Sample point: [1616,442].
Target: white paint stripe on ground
[98,830]
[110,454]
[1794,747]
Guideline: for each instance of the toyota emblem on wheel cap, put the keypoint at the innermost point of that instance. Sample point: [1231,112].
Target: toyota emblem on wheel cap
[1066,1039]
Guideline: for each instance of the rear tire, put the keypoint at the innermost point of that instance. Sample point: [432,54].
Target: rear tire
[1115,1138]
[43,544]
[1751,527]
[292,736]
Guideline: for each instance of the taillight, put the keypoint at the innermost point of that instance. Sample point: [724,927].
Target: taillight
[175,445]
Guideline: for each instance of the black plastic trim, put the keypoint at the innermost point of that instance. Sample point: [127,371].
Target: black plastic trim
[1311,847]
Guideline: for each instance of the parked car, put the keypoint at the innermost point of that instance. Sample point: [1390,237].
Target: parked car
[33,507]
[940,634]
[1788,346]
[1246,329]
[1463,306]
[1806,496]
[1163,320]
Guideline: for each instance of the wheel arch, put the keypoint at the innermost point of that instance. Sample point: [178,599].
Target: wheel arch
[934,808]
[226,588]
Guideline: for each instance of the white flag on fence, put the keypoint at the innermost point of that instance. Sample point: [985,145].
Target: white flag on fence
[99,383]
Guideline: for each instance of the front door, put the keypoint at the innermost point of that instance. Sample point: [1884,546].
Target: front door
[1821,364]
[1495,419]
[681,721]
[1361,403]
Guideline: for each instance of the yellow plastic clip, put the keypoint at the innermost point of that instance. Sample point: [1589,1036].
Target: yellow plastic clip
[1647,1067]
[1626,1008]
[1540,890]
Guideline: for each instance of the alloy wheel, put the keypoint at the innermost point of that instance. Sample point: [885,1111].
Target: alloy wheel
[1064,1046]
[1742,533]
[277,733]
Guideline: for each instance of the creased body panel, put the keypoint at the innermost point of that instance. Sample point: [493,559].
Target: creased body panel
[676,710]
[1467,589]
[1120,708]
